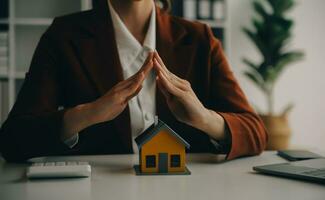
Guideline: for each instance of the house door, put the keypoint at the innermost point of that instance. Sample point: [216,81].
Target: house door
[163,162]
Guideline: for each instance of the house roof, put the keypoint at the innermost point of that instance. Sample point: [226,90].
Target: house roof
[154,130]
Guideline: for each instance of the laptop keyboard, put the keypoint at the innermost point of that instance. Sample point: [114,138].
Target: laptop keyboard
[316,172]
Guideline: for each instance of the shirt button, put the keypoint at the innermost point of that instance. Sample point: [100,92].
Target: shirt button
[147,116]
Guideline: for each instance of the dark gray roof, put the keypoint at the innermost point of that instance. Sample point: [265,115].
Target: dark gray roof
[153,130]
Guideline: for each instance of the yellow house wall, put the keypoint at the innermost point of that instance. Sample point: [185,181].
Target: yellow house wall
[163,142]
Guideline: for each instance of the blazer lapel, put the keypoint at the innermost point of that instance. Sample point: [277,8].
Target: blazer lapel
[100,60]
[98,53]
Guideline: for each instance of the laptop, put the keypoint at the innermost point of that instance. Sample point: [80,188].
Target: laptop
[309,170]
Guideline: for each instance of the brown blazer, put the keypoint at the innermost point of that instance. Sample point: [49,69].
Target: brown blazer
[76,61]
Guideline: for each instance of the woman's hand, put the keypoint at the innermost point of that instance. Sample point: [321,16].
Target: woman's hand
[180,97]
[184,104]
[114,101]
[108,106]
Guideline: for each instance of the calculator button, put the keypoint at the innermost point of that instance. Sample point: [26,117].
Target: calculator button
[38,164]
[82,163]
[71,163]
[49,164]
[59,163]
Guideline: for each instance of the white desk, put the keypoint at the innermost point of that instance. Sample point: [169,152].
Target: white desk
[113,178]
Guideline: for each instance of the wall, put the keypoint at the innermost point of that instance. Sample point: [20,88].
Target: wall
[302,83]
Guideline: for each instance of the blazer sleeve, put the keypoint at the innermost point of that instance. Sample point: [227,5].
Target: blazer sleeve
[246,130]
[33,125]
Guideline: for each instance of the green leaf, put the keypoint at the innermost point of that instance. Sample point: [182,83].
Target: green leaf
[259,8]
[258,24]
[256,39]
[263,70]
[250,64]
[271,75]
[284,60]
[288,58]
[281,6]
[255,78]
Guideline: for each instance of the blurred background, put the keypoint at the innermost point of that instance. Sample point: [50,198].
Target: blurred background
[276,49]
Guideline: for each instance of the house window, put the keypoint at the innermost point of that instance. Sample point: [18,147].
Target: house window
[175,161]
[150,161]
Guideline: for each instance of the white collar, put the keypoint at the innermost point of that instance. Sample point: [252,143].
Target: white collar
[128,47]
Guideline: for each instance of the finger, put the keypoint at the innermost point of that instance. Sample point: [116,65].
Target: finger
[127,91]
[145,69]
[162,89]
[156,55]
[126,83]
[147,66]
[158,67]
[136,92]
[168,85]
[163,66]
[178,82]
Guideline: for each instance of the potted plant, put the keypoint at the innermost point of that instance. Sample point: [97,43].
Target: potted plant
[271,34]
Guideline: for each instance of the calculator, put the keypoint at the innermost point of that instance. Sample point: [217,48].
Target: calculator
[67,169]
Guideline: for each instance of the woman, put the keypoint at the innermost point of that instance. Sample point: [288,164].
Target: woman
[101,66]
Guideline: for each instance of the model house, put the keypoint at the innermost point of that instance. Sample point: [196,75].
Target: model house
[161,151]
